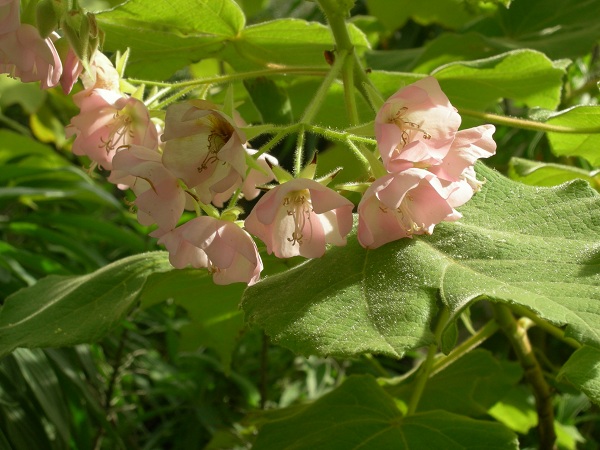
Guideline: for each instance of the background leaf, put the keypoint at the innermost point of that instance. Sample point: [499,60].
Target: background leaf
[360,414]
[584,145]
[59,311]
[582,370]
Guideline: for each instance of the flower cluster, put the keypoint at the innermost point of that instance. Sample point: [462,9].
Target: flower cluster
[199,159]
[429,163]
[29,56]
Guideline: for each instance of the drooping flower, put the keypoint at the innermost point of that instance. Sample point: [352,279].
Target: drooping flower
[107,122]
[102,75]
[9,15]
[254,178]
[457,166]
[159,197]
[300,217]
[204,148]
[72,66]
[228,252]
[419,118]
[24,54]
[401,205]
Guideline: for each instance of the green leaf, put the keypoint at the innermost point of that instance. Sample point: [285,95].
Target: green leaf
[289,42]
[523,75]
[359,414]
[216,320]
[584,145]
[60,311]
[569,28]
[538,173]
[270,100]
[28,95]
[489,381]
[170,34]
[582,370]
[505,248]
[451,13]
[516,410]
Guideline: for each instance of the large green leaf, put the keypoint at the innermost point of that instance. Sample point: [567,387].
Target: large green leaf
[523,75]
[359,414]
[60,310]
[522,245]
[584,145]
[170,34]
[289,42]
[489,381]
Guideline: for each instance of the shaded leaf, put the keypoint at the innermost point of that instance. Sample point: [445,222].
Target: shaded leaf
[489,381]
[60,310]
[359,414]
[582,370]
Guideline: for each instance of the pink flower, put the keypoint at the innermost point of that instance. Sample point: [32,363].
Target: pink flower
[9,15]
[254,178]
[102,75]
[457,166]
[401,205]
[159,198]
[25,55]
[419,118]
[300,217]
[107,122]
[204,148]
[72,68]
[228,252]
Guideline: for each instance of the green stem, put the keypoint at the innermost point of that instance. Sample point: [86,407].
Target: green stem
[427,365]
[527,124]
[299,154]
[317,71]
[465,347]
[349,97]
[520,343]
[317,100]
[546,326]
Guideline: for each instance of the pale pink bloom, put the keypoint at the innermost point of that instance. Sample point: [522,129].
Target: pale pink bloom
[419,118]
[204,148]
[72,68]
[228,252]
[159,199]
[254,178]
[107,122]
[457,166]
[102,75]
[25,55]
[300,217]
[9,15]
[401,205]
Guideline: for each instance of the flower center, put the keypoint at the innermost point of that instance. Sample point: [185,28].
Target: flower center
[299,206]
[406,125]
[220,133]
[119,130]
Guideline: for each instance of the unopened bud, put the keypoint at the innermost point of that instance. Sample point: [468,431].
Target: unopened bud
[46,18]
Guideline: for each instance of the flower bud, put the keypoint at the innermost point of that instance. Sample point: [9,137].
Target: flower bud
[46,18]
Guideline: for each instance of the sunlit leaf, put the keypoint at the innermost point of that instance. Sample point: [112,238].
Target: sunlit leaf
[535,247]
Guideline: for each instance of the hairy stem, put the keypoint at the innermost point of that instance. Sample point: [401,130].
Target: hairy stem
[465,347]
[517,335]
[527,124]
[546,326]
[427,365]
